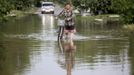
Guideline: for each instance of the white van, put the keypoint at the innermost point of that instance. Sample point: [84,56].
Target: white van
[47,7]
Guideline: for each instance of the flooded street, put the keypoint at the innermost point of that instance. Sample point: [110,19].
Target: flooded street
[29,46]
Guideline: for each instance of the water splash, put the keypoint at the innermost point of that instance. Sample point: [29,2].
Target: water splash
[41,37]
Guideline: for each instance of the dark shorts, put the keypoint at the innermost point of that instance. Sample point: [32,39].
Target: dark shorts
[72,27]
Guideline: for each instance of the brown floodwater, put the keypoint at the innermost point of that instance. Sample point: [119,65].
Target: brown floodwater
[29,46]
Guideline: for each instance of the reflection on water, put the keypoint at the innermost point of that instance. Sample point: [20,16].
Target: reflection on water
[47,20]
[67,49]
[28,46]
[47,26]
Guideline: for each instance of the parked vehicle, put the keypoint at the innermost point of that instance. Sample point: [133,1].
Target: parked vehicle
[47,7]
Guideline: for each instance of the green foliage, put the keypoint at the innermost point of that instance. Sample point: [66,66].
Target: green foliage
[96,6]
[37,3]
[5,8]
[7,5]
[61,1]
[123,7]
[21,4]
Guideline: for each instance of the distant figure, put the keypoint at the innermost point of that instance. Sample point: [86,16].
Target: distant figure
[69,26]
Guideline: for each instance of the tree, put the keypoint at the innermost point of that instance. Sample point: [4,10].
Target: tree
[125,8]
[21,4]
[5,8]
[37,3]
[96,6]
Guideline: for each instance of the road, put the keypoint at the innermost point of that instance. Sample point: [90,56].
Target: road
[58,9]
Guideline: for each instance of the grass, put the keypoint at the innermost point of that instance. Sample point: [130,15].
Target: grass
[19,14]
[104,18]
[129,27]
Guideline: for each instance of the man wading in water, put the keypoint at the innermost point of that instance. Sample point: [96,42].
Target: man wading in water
[69,28]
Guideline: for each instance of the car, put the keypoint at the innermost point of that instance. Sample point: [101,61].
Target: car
[47,7]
